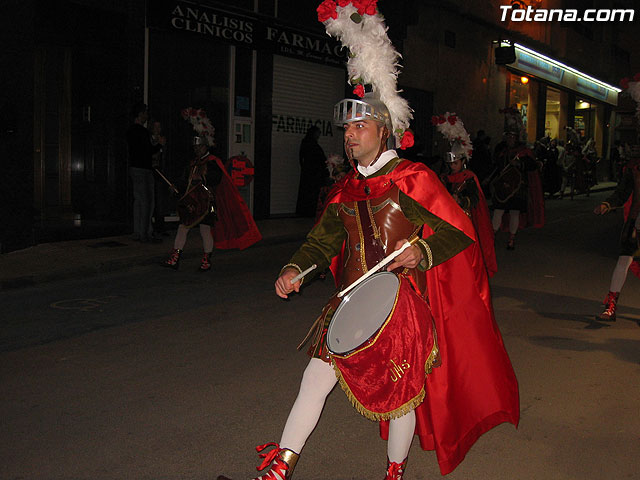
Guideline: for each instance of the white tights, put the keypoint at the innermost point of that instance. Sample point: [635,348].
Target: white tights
[318,380]
[205,233]
[514,220]
[620,273]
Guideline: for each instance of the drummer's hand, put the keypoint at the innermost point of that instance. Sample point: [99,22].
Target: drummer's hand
[283,283]
[410,258]
[601,209]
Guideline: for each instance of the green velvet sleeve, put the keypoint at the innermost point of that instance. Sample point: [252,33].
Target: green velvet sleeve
[323,242]
[446,240]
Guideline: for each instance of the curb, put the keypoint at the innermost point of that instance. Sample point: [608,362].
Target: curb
[118,264]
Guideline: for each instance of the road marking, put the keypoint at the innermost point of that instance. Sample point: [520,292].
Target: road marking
[82,304]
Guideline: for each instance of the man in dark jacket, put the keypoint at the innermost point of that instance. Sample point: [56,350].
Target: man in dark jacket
[140,169]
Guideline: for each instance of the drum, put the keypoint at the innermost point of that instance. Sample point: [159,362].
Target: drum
[194,205]
[382,343]
[507,183]
[372,303]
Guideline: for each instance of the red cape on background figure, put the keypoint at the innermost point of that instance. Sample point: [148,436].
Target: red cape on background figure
[635,265]
[481,221]
[235,227]
[534,216]
[475,388]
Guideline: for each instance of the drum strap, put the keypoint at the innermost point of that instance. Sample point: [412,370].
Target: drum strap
[317,328]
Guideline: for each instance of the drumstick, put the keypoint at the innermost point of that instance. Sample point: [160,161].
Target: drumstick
[302,274]
[384,262]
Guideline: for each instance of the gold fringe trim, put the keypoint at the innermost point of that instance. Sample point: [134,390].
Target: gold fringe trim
[432,360]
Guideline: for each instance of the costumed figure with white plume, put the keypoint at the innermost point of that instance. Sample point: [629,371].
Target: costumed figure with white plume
[464,185]
[418,370]
[516,189]
[337,169]
[209,198]
[627,196]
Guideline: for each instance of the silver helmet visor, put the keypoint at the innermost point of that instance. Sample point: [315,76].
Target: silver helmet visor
[350,110]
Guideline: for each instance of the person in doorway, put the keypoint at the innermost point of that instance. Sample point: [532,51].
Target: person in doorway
[160,192]
[141,153]
[313,173]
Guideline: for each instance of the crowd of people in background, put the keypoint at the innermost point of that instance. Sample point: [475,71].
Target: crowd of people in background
[511,181]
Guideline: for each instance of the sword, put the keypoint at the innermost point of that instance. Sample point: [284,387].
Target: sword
[166,180]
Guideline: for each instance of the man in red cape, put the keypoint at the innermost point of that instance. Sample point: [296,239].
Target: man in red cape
[627,195]
[226,222]
[474,388]
[465,188]
[525,207]
[467,384]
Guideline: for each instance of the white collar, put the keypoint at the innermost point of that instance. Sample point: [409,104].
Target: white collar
[384,158]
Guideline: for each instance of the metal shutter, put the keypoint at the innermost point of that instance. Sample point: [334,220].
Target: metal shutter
[303,95]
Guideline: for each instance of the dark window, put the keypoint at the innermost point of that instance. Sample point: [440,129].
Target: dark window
[450,38]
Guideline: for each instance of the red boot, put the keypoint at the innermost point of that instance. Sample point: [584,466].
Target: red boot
[395,471]
[281,462]
[609,314]
[205,263]
[174,259]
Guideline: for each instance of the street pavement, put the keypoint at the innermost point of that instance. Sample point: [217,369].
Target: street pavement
[49,262]
[188,393]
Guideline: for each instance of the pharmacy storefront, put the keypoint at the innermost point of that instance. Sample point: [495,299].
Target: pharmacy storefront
[261,82]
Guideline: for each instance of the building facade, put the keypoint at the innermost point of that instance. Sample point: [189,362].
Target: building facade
[265,71]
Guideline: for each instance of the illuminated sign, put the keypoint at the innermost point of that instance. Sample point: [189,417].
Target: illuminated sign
[546,68]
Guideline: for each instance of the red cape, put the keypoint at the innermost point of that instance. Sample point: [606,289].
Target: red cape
[481,221]
[235,227]
[635,265]
[534,216]
[475,388]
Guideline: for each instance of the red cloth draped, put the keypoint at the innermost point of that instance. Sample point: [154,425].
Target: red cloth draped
[235,227]
[385,378]
[635,265]
[481,221]
[534,216]
[475,388]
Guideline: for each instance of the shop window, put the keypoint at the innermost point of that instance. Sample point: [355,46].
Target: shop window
[243,79]
[584,119]
[552,115]
[519,95]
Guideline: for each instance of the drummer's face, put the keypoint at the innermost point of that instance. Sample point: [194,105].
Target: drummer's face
[200,149]
[362,138]
[456,166]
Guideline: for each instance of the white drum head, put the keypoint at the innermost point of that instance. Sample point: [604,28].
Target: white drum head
[362,312]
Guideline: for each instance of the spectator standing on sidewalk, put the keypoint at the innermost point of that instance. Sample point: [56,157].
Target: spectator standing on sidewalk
[160,190]
[313,173]
[140,169]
